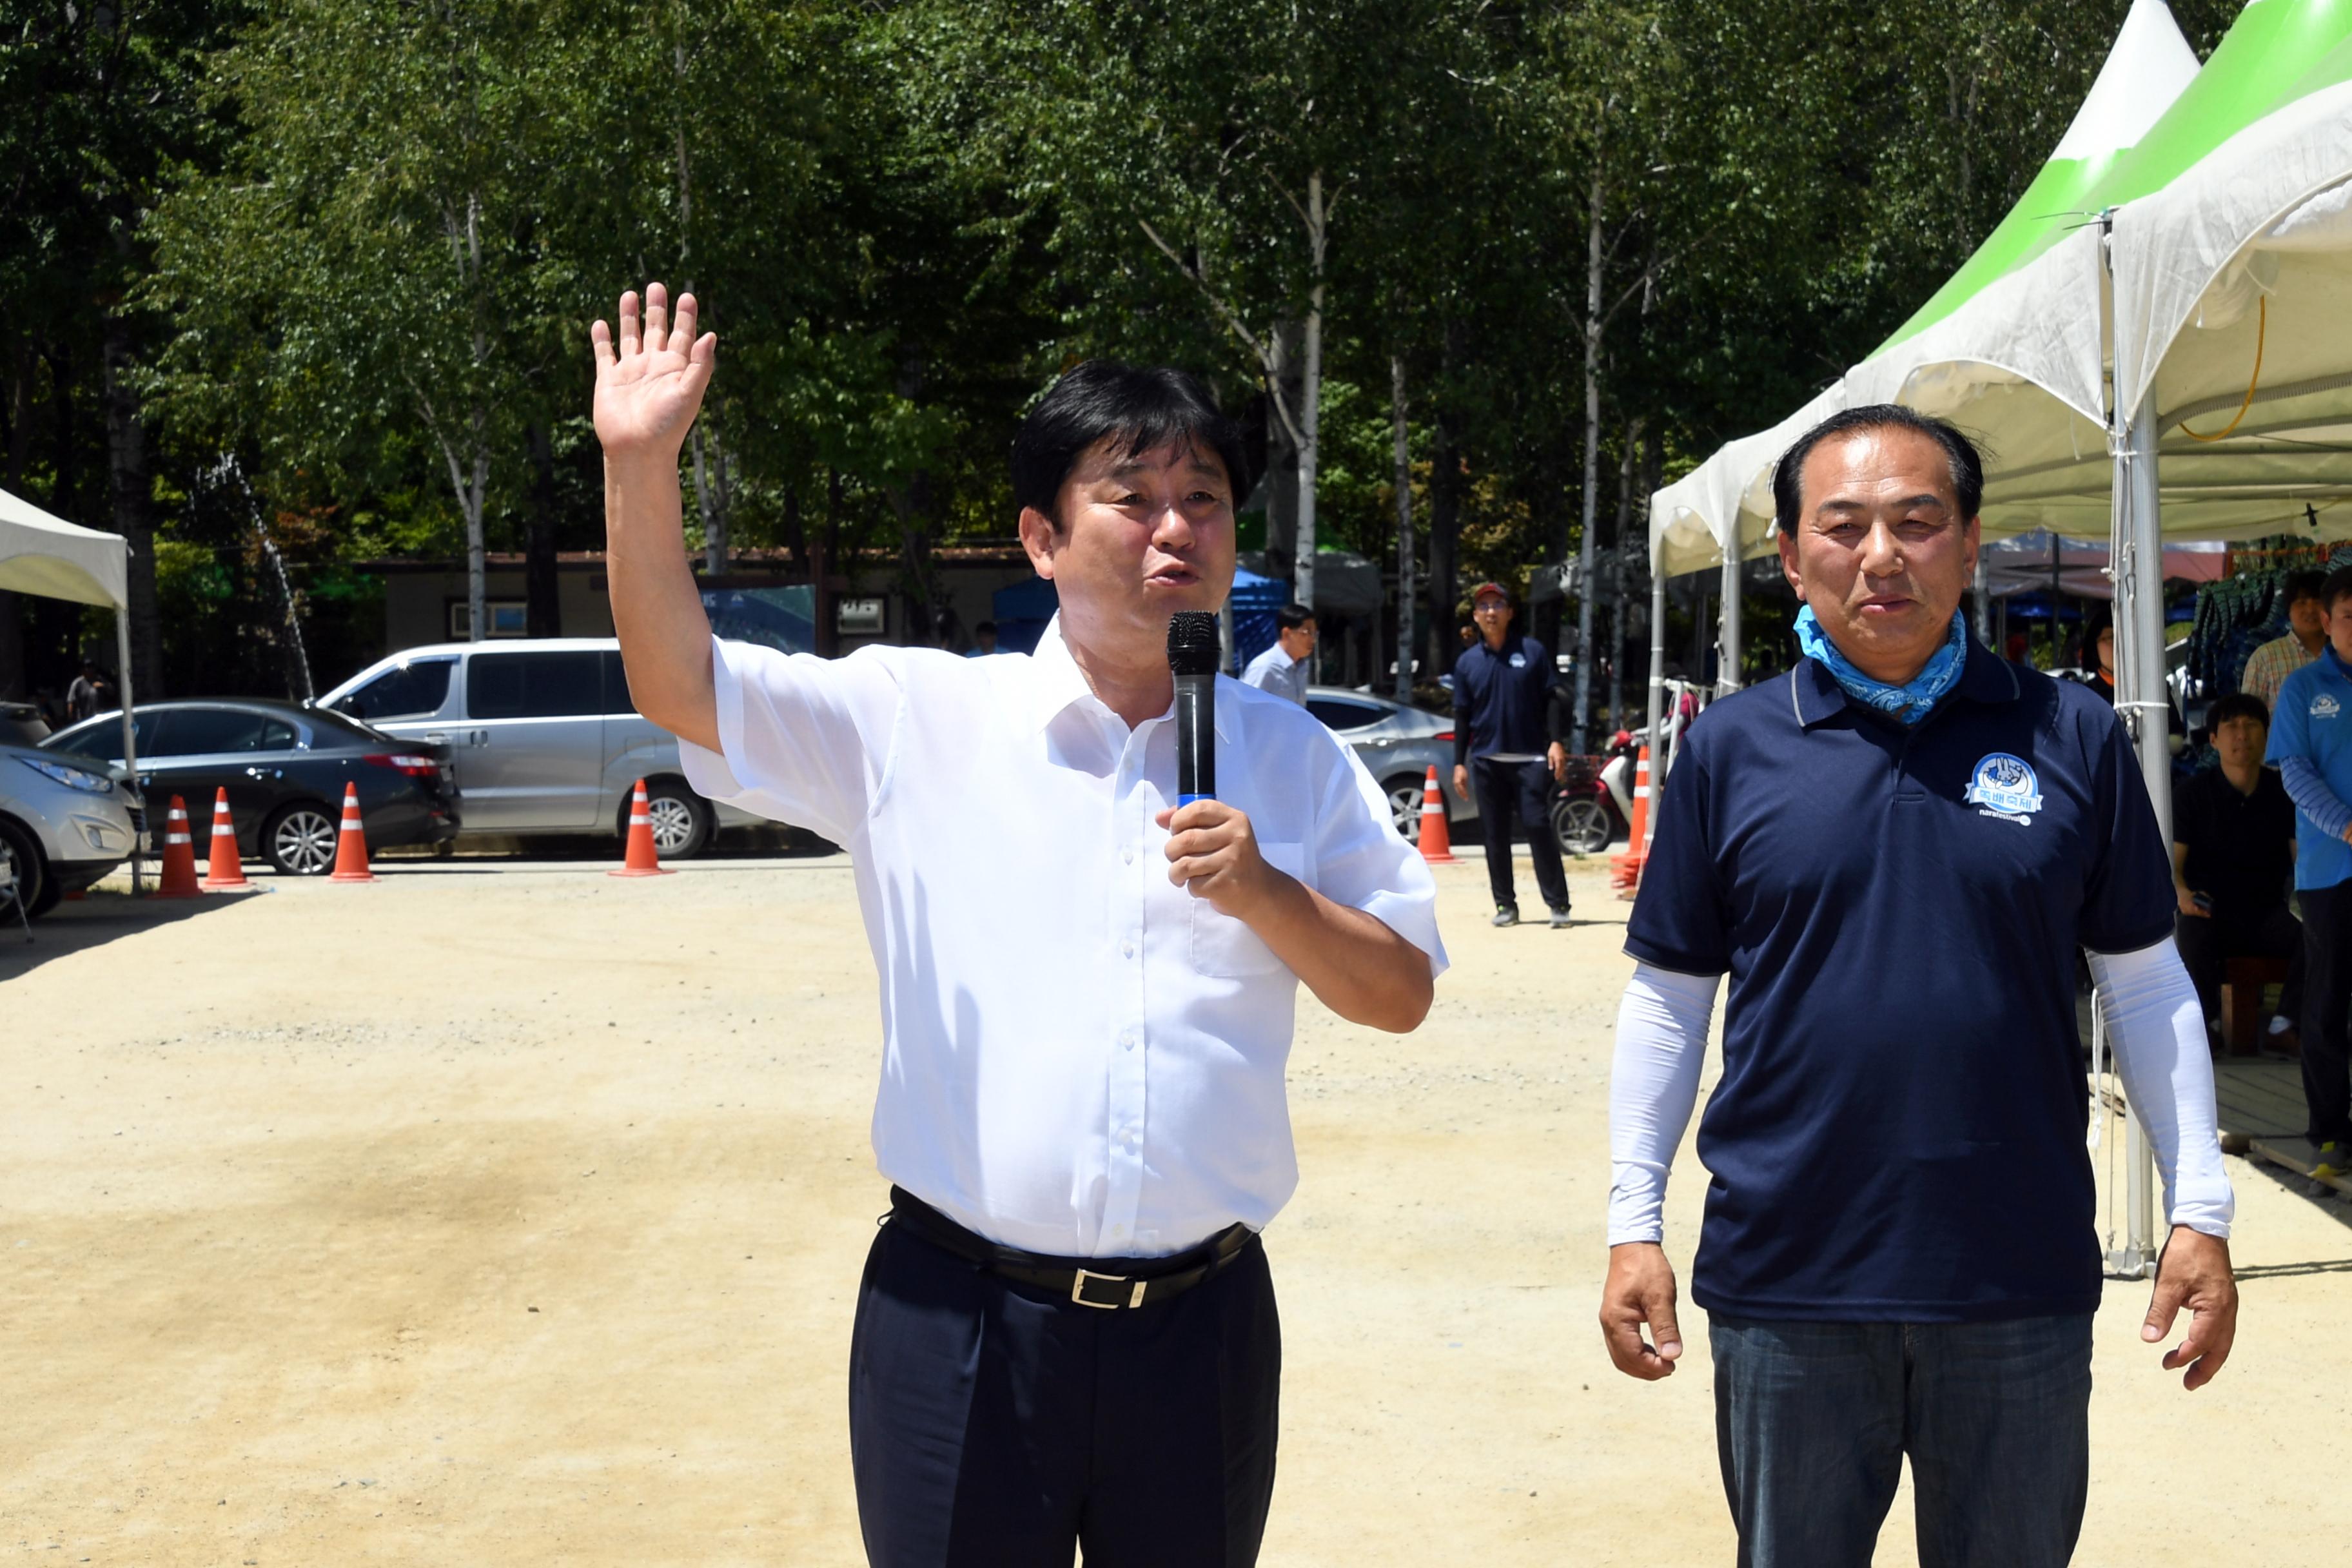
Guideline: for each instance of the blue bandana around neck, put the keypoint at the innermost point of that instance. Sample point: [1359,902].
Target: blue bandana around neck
[1911,701]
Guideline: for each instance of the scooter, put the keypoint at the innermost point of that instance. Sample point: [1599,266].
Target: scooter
[1592,807]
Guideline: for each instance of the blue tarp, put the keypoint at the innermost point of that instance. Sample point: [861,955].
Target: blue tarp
[1021,613]
[1254,601]
[778,617]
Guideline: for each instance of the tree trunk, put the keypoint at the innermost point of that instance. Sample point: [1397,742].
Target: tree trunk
[1445,535]
[133,487]
[541,585]
[14,682]
[1404,530]
[795,530]
[1620,554]
[1595,261]
[1310,395]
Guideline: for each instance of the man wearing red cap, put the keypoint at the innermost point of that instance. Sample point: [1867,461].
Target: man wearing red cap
[1502,722]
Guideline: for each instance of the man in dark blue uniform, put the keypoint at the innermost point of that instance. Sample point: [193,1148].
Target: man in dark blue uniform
[1503,746]
[1896,851]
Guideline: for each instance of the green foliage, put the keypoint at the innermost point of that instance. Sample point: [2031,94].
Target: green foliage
[369,235]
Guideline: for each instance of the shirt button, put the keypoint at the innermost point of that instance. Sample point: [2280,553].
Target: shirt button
[1127,1038]
[1128,1138]
[1128,855]
[1127,950]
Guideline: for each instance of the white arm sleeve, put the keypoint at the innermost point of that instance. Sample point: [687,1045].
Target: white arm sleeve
[1660,1044]
[2152,1013]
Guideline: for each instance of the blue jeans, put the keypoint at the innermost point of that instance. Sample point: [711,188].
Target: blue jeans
[1812,1422]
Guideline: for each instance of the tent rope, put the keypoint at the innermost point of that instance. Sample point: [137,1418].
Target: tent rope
[2262,335]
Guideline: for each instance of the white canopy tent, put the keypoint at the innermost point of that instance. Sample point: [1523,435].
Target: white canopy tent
[58,560]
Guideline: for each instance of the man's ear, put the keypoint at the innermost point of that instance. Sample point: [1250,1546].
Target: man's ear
[1975,535]
[1788,546]
[1040,539]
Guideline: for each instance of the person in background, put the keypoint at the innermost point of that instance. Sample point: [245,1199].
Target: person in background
[2306,634]
[81,697]
[2311,741]
[1283,668]
[984,640]
[2021,648]
[2232,858]
[2099,653]
[1503,713]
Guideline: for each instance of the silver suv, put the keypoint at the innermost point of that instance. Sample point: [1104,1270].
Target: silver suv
[63,824]
[543,737]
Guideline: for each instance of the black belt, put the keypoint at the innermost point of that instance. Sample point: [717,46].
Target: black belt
[1146,1283]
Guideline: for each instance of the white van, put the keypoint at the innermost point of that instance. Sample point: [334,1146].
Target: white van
[543,737]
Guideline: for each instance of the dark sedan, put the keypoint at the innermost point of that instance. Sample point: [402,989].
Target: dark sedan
[283,768]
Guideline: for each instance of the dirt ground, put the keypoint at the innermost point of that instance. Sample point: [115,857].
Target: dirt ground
[503,1212]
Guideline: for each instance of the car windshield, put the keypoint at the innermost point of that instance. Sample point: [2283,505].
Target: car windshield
[414,691]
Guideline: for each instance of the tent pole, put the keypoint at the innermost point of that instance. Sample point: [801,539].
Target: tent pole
[130,742]
[1657,656]
[1727,672]
[2151,704]
[1984,609]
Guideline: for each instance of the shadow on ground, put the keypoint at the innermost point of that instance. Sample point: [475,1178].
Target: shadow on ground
[99,916]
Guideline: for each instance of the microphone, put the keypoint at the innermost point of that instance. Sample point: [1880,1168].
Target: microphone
[1193,653]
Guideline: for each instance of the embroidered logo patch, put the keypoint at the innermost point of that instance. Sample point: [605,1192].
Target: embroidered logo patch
[1518,662]
[2005,787]
[2325,707]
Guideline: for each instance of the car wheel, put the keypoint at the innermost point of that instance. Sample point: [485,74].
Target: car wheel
[1581,825]
[1405,794]
[682,822]
[299,841]
[22,853]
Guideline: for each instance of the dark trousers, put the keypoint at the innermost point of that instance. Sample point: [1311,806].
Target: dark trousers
[2326,1001]
[1513,794]
[2207,941]
[992,1422]
[1812,1422]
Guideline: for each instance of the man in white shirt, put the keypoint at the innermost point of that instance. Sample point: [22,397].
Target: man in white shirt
[1283,668]
[1065,1338]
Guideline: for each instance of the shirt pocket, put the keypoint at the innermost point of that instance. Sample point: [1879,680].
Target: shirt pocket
[1225,948]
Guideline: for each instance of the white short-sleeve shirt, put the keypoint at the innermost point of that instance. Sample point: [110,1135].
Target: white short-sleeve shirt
[1079,1056]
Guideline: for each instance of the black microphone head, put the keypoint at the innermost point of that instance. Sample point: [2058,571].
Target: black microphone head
[1192,645]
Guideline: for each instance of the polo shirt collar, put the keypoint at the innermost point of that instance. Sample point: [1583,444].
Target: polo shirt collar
[1055,682]
[1816,695]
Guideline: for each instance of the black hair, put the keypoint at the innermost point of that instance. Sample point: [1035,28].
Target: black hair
[2237,705]
[2338,586]
[988,626]
[1290,617]
[1960,454]
[2301,586]
[1137,408]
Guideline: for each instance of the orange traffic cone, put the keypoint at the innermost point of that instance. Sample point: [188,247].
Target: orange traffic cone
[225,870]
[643,860]
[1625,870]
[351,843]
[179,879]
[1436,843]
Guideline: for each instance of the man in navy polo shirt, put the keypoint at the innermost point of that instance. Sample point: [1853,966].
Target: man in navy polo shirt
[1894,851]
[1504,744]
[2311,741]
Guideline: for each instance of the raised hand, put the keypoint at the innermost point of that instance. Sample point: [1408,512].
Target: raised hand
[650,384]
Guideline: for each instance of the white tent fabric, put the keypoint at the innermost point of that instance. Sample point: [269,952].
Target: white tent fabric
[2248,254]
[58,560]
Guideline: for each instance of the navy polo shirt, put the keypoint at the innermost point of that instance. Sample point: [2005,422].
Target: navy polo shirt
[1498,694]
[1897,1136]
